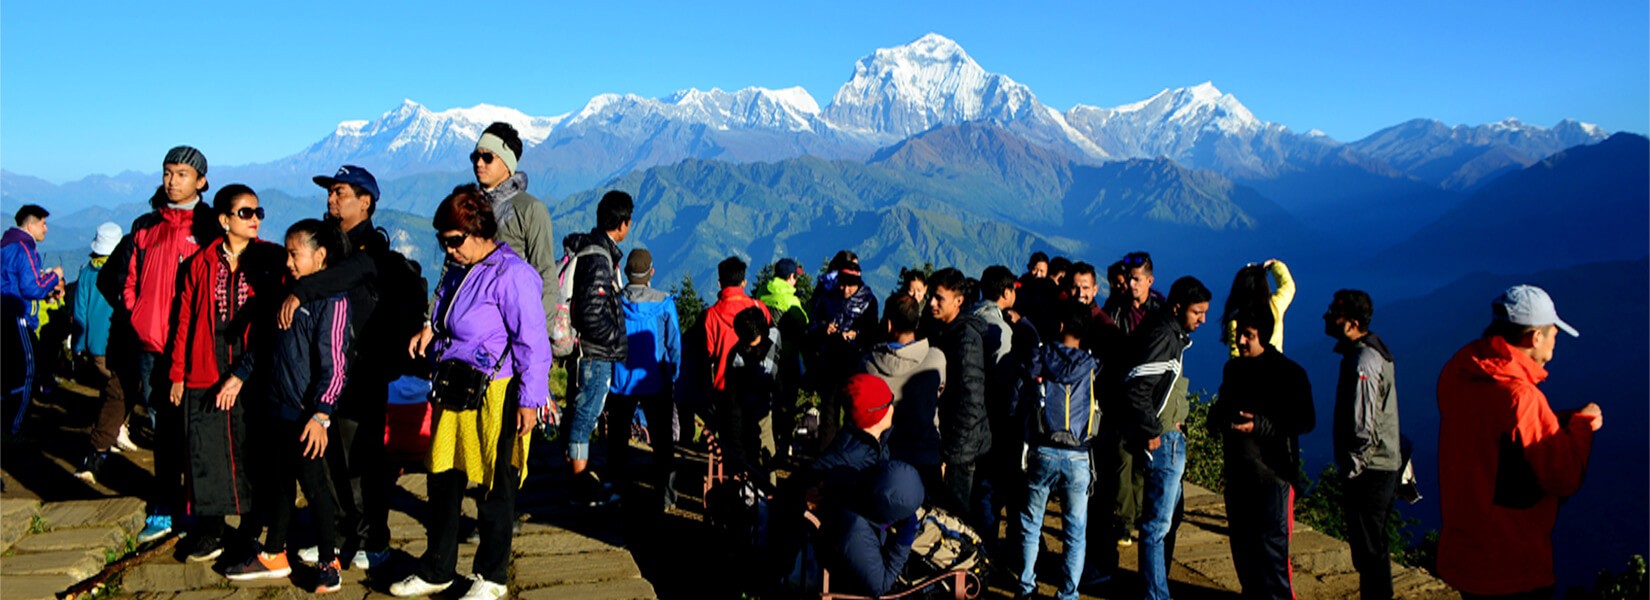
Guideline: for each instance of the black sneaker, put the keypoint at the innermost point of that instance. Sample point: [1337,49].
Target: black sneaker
[207,548]
[91,467]
[327,579]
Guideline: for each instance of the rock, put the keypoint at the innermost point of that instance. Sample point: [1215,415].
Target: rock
[163,577]
[96,538]
[76,564]
[613,565]
[629,589]
[124,512]
[36,587]
[560,542]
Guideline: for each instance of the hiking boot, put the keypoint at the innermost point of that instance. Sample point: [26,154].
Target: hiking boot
[209,547]
[414,586]
[481,589]
[327,580]
[262,565]
[154,527]
[593,492]
[91,467]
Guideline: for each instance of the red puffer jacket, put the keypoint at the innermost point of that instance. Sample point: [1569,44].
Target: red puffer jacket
[194,355]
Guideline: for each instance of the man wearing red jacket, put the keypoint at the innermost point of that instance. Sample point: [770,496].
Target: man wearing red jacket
[1505,459]
[719,333]
[141,282]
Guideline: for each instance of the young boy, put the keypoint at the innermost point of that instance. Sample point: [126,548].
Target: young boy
[1061,416]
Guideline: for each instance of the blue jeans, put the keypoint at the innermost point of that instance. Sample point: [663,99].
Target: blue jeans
[1047,468]
[1163,487]
[595,377]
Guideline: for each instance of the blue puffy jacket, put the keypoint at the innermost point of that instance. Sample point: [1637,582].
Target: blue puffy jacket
[867,541]
[23,278]
[655,334]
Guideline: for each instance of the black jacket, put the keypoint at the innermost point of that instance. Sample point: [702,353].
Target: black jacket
[867,542]
[597,303]
[1277,392]
[1159,352]
[965,430]
[307,370]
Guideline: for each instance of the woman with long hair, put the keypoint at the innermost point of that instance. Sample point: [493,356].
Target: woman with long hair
[492,376]
[227,286]
[1251,291]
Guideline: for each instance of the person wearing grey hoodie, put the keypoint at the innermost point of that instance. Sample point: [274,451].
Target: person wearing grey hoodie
[523,220]
[915,371]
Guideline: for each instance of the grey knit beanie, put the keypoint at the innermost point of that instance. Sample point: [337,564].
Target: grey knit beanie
[186,155]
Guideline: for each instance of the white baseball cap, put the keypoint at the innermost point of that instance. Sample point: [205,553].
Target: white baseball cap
[1530,306]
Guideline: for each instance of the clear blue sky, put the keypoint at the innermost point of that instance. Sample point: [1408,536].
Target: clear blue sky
[103,87]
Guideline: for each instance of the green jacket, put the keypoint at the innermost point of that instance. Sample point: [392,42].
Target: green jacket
[524,224]
[790,316]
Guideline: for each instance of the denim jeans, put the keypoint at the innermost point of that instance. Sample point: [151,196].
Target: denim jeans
[1070,472]
[1163,487]
[595,376]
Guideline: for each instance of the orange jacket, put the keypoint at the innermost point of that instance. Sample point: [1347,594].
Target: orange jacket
[719,334]
[1504,461]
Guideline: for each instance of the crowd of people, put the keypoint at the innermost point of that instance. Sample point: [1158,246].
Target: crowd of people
[980,397]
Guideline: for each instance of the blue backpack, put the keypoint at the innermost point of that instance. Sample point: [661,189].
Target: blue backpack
[1067,414]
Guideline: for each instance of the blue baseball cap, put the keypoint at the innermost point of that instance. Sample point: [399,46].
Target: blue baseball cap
[353,175]
[785,268]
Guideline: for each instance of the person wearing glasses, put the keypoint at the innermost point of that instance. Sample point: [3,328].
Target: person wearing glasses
[371,272]
[486,331]
[221,317]
[523,220]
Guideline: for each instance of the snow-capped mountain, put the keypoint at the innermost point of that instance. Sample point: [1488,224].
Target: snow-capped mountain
[1461,157]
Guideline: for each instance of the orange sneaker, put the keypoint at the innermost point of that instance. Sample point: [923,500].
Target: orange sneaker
[260,566]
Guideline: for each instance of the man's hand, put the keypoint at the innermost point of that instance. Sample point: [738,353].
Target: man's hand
[1248,424]
[227,393]
[289,307]
[1153,444]
[420,342]
[1595,412]
[176,394]
[526,419]
[314,438]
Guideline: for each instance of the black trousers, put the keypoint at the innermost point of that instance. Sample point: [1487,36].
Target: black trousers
[362,477]
[171,437]
[292,468]
[660,411]
[1260,510]
[496,515]
[1367,501]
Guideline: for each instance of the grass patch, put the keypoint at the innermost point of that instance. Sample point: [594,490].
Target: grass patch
[39,524]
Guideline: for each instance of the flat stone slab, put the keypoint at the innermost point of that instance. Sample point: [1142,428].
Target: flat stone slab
[14,507]
[124,512]
[36,587]
[92,538]
[162,577]
[604,566]
[75,564]
[562,542]
[629,589]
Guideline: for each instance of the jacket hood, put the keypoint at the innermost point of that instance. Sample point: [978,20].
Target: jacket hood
[16,235]
[893,492]
[1066,365]
[892,362]
[1371,340]
[575,242]
[1494,358]
[986,309]
[644,301]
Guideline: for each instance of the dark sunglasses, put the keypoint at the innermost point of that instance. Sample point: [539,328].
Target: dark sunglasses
[1134,260]
[452,241]
[247,213]
[484,157]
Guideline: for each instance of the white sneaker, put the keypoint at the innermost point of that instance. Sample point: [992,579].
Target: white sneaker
[369,560]
[481,589]
[123,442]
[413,586]
[312,554]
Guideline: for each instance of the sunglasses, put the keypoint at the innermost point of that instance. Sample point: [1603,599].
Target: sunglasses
[247,213]
[1134,260]
[486,158]
[452,242]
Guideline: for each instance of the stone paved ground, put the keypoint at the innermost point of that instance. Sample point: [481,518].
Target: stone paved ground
[56,532]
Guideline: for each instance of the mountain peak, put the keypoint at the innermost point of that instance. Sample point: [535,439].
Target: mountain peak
[931,81]
[933,46]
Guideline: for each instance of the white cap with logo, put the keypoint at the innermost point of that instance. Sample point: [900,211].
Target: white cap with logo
[1530,306]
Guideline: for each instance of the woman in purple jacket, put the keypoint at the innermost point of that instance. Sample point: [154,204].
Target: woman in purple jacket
[487,325]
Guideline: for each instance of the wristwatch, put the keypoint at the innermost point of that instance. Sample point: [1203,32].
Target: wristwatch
[325,423]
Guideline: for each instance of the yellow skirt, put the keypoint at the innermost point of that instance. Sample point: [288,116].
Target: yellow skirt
[468,439]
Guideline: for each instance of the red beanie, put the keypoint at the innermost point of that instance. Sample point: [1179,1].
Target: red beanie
[868,399]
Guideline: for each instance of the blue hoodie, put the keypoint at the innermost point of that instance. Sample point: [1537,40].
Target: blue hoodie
[92,313]
[22,276]
[655,334]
